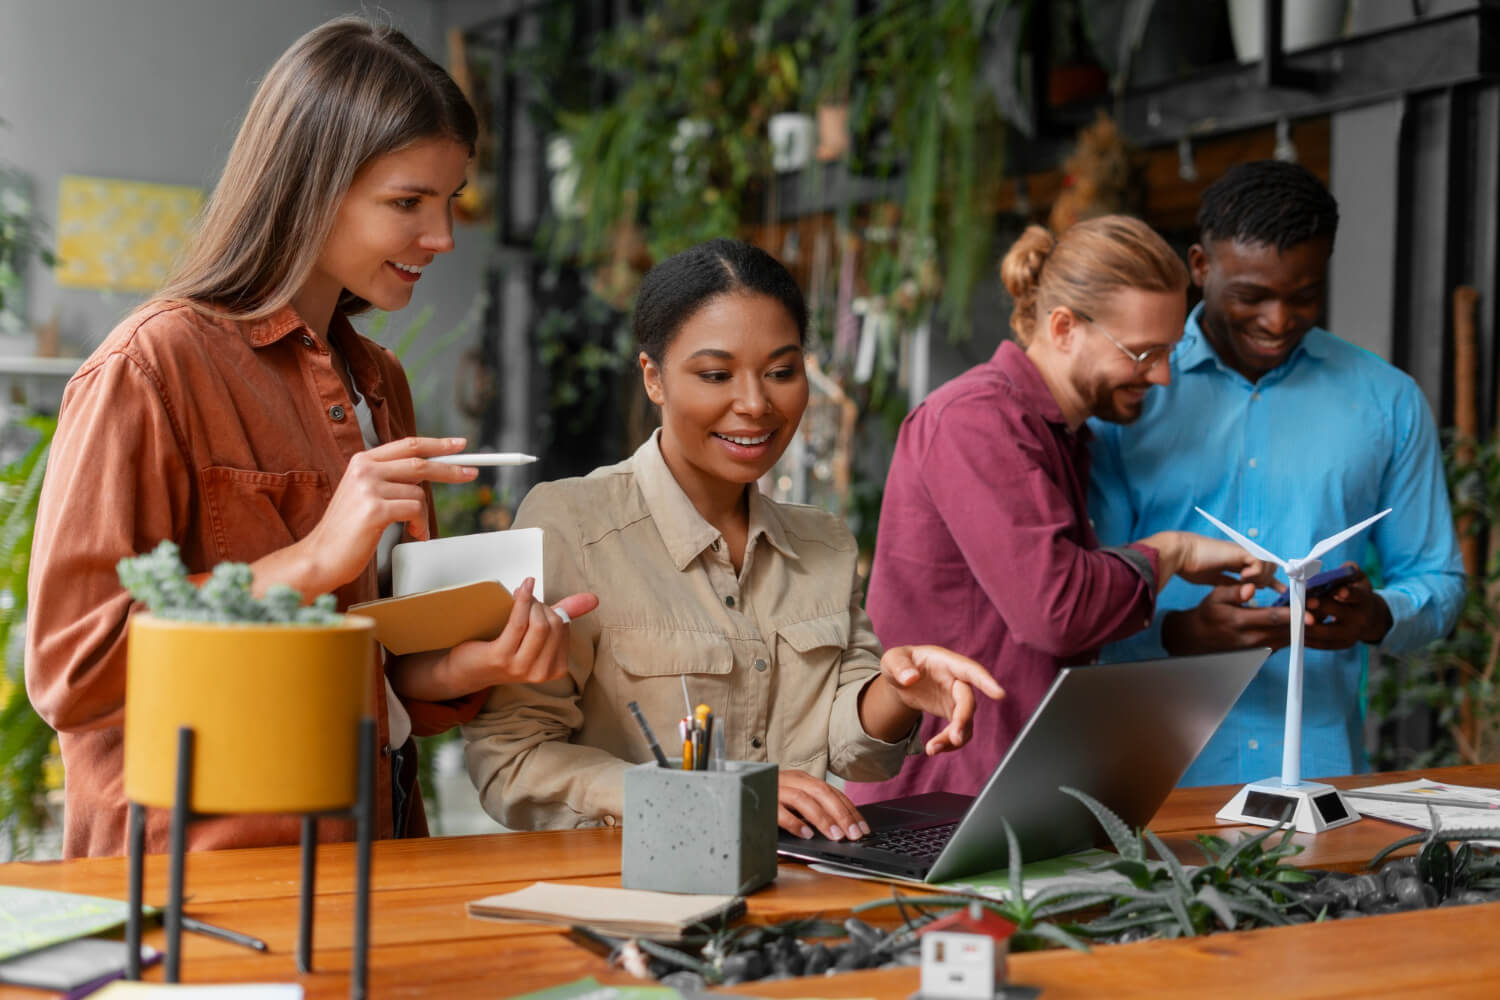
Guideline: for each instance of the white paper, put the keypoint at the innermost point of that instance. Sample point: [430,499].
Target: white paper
[1415,813]
[507,556]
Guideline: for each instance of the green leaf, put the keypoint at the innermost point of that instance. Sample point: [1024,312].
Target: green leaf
[1127,845]
[1215,901]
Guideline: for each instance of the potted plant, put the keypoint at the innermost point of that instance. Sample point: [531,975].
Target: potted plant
[243,704]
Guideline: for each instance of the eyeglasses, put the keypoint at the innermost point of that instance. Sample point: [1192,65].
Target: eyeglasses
[1145,360]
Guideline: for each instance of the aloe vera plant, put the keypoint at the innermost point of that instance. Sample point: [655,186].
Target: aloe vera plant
[1241,885]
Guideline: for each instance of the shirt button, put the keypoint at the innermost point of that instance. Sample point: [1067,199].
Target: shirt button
[1253,532]
[760,664]
[1252,463]
[1253,744]
[729,600]
[715,545]
[1255,395]
[307,341]
[757,742]
[336,412]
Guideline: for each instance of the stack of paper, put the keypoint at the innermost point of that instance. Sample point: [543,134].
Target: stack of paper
[618,912]
[1407,803]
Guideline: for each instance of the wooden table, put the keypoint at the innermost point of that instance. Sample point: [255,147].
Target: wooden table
[423,944]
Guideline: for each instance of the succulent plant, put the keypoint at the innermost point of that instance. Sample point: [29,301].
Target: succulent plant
[159,580]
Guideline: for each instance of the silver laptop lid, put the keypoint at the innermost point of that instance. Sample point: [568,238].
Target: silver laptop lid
[1124,733]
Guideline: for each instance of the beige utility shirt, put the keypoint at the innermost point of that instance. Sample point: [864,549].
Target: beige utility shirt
[780,651]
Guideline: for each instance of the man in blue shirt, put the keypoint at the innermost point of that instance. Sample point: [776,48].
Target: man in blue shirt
[1288,434]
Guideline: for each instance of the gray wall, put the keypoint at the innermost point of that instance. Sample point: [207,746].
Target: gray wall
[154,90]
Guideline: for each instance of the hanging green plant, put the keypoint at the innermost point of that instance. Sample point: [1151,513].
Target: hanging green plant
[923,111]
[681,149]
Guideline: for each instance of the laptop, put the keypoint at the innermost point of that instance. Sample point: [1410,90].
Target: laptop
[1123,733]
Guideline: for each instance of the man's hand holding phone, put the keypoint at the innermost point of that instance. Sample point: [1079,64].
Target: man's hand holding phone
[1347,612]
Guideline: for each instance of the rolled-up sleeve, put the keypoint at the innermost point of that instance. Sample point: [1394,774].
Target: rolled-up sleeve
[853,754]
[518,750]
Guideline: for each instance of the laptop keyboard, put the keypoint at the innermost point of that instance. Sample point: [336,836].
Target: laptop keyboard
[925,844]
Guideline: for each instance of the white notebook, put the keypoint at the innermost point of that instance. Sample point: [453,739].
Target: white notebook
[452,590]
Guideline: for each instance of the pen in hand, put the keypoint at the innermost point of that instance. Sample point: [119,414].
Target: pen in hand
[656,751]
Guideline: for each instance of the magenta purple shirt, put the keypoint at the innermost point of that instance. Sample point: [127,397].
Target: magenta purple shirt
[985,547]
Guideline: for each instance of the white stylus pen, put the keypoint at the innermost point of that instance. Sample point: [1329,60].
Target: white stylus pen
[486,458]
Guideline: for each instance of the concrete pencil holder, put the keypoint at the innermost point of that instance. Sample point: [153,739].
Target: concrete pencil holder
[708,831]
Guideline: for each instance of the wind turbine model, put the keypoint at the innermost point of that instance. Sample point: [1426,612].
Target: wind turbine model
[1314,807]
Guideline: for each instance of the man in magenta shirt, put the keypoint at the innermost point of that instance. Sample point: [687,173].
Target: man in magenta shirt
[984,543]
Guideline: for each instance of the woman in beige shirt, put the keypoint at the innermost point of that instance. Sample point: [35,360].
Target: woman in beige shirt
[701,578]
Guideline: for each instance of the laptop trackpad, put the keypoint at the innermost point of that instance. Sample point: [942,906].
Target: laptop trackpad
[916,812]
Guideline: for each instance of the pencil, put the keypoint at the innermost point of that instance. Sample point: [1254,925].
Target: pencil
[223,934]
[1419,798]
[656,751]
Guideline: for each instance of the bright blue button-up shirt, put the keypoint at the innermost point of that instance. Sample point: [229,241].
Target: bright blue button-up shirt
[1331,436]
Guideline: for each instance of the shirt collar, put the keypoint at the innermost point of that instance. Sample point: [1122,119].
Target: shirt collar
[683,530]
[1194,350]
[1021,372]
[358,352]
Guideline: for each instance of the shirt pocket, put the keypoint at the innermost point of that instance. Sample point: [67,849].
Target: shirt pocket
[650,668]
[808,658]
[252,513]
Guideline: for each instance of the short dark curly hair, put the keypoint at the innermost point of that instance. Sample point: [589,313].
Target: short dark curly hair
[1268,202]
[684,283]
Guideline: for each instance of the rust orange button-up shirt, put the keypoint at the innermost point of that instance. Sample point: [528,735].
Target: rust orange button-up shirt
[228,438]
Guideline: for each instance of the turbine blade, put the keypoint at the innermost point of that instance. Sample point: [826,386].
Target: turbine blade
[1333,540]
[1255,550]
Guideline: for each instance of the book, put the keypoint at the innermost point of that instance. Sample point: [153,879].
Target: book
[73,965]
[617,912]
[37,918]
[439,619]
[451,590]
[125,990]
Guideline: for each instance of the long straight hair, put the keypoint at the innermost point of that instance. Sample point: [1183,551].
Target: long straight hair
[345,93]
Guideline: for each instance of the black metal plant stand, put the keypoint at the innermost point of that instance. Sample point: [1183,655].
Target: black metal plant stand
[182,813]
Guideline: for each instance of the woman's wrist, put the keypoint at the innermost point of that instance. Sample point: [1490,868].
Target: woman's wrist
[882,713]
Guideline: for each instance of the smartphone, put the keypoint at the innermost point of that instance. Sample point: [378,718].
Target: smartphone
[1321,584]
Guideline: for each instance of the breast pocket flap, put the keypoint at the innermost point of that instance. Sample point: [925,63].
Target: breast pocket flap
[806,636]
[668,652]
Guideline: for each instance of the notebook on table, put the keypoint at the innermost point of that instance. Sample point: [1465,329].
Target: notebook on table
[1124,733]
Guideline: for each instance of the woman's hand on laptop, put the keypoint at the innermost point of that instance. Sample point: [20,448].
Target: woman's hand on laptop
[928,679]
[805,804]
[532,649]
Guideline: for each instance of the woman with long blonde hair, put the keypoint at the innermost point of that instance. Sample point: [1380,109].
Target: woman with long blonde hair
[240,415]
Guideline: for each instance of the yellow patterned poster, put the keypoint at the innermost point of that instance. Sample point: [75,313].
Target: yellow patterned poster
[121,235]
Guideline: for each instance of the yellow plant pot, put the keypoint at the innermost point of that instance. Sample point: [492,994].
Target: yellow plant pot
[274,710]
